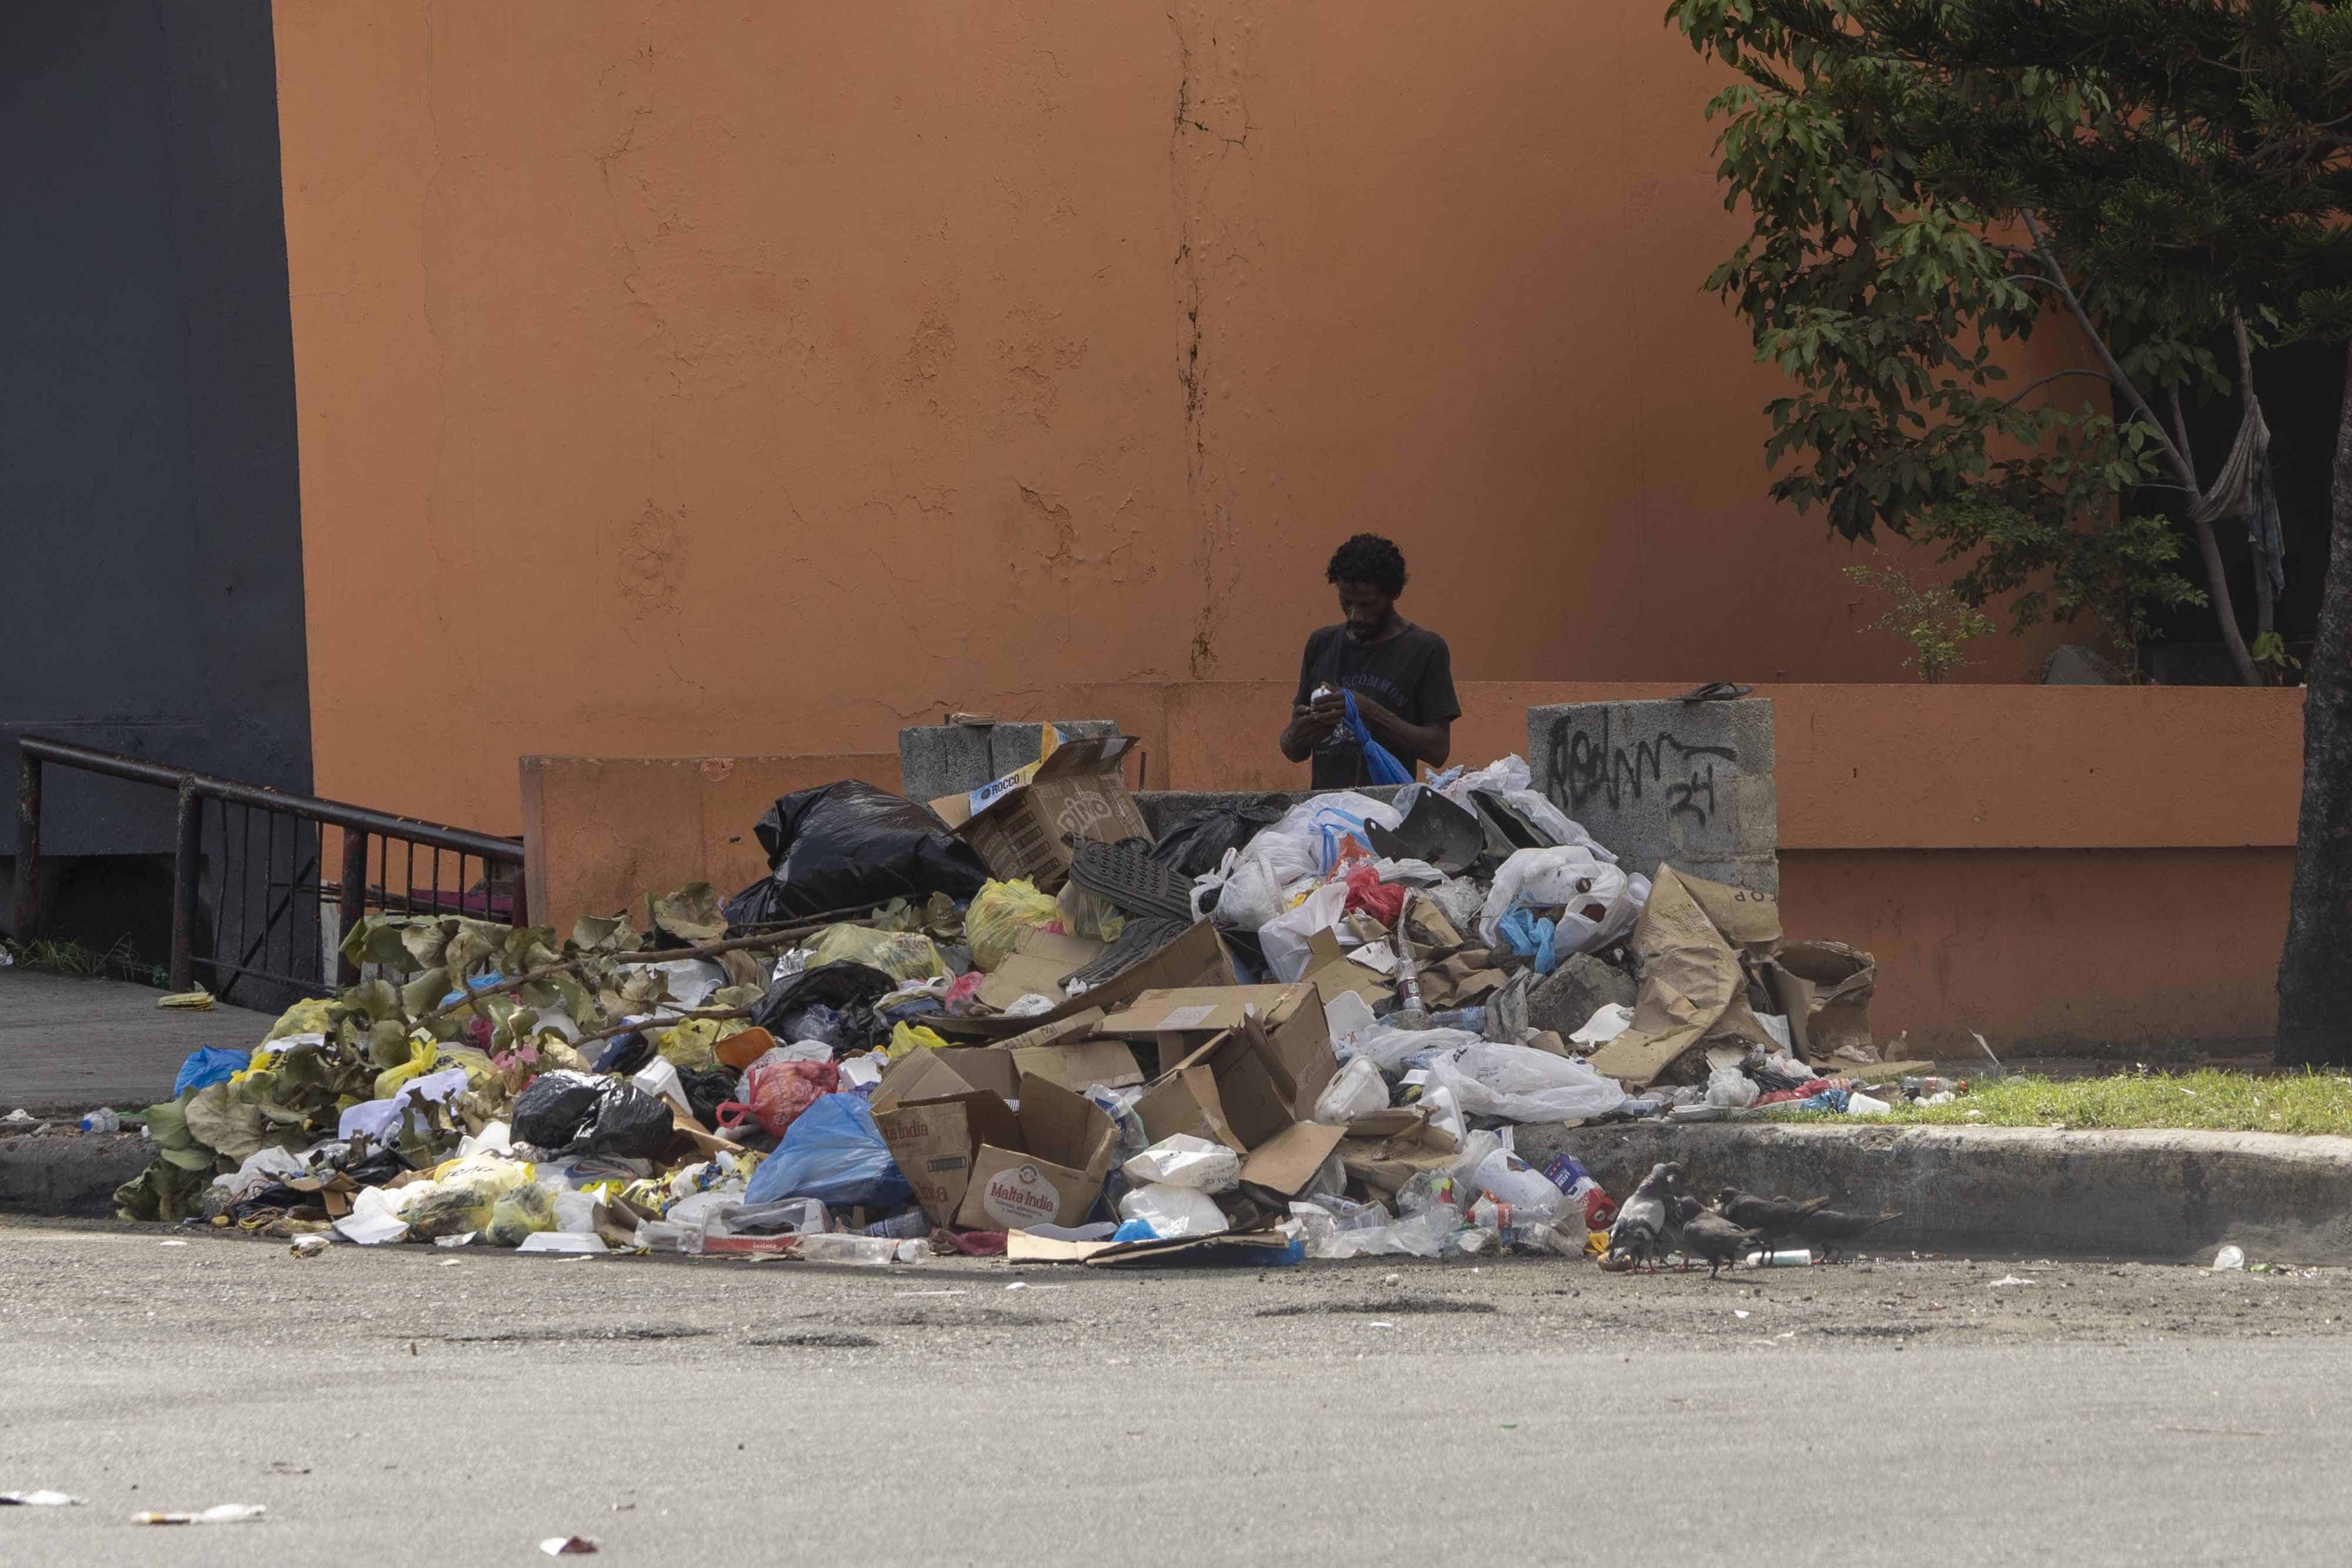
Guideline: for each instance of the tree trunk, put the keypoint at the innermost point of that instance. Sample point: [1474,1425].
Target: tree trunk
[2217,583]
[2315,979]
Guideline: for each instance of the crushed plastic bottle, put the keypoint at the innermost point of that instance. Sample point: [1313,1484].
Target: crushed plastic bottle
[101,1120]
[835,1247]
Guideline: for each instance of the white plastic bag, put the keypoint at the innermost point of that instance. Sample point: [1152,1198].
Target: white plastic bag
[1356,1090]
[1543,878]
[1283,937]
[1730,1088]
[1182,1160]
[1173,1211]
[1505,774]
[1390,1049]
[1325,822]
[1257,882]
[1608,1021]
[1573,932]
[1524,1085]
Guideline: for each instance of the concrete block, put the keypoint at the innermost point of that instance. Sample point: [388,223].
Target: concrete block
[1565,1000]
[69,1174]
[1011,745]
[1689,784]
[936,759]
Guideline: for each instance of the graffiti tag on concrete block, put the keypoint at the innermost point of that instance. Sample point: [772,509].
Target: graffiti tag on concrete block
[1586,762]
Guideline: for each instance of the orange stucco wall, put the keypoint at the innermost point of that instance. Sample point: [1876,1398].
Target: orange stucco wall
[681,379]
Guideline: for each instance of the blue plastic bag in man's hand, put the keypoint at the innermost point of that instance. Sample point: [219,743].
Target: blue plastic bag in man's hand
[833,1152]
[1379,760]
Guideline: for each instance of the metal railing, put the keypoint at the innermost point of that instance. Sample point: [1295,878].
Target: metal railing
[378,855]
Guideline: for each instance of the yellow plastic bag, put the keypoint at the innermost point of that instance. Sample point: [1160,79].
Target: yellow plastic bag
[308,1016]
[906,1037]
[465,1192]
[424,1051]
[901,954]
[998,916]
[519,1214]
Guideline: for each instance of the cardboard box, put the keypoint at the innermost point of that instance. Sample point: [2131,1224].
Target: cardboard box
[1824,988]
[1283,1166]
[935,1142]
[1051,1173]
[1016,824]
[1076,1063]
[1199,1009]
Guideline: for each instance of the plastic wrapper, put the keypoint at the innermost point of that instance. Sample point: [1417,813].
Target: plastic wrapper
[1731,1089]
[850,846]
[1327,823]
[907,1037]
[1382,901]
[1174,1212]
[693,1043]
[523,1212]
[1506,1178]
[832,1150]
[1185,1161]
[1002,912]
[777,1092]
[1392,1049]
[901,954]
[1260,881]
[1521,1083]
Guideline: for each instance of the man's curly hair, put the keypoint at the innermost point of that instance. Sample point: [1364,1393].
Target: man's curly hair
[1368,559]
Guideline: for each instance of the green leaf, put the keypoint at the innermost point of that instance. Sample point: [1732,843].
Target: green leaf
[692,912]
[424,993]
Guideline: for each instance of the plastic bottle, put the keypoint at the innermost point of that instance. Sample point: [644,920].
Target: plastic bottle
[101,1120]
[913,1225]
[835,1247]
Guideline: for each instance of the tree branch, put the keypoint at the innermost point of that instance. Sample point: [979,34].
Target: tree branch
[2054,375]
[2057,276]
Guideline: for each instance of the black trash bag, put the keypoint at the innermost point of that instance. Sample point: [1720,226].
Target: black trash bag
[629,1124]
[706,1089]
[851,846]
[833,1003]
[551,1109]
[1195,846]
[625,1053]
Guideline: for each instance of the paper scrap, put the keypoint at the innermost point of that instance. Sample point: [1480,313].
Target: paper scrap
[371,1228]
[222,1514]
[38,1500]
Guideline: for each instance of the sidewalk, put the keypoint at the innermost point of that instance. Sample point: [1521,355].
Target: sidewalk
[73,1045]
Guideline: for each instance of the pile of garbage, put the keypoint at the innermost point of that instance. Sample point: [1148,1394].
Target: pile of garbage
[1016,1022]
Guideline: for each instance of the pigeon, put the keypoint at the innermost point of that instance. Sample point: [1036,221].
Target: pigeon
[1770,1217]
[1644,1220]
[1831,1226]
[1716,1240]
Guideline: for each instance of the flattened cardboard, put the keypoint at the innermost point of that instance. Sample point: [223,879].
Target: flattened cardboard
[1198,958]
[1055,1171]
[1060,947]
[1199,1009]
[1021,1246]
[1020,975]
[1693,988]
[1241,1249]
[1285,1164]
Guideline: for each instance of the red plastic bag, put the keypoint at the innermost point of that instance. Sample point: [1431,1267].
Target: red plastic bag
[1380,900]
[780,1091]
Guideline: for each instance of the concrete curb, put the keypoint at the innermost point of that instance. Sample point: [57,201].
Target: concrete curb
[2170,1197]
[68,1173]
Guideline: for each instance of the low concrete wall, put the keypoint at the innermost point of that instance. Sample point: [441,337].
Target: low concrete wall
[2018,1192]
[2047,865]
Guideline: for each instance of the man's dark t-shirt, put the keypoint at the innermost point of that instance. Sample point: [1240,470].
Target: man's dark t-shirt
[1411,675]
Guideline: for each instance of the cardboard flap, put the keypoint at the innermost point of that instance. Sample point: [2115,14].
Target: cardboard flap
[1078,1063]
[1185,1099]
[924,1073]
[1198,958]
[1066,1128]
[1062,759]
[1059,947]
[1093,754]
[1285,1162]
[1202,1010]
[1235,1249]
[1020,975]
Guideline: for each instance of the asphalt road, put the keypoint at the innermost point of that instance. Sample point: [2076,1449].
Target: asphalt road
[421,1407]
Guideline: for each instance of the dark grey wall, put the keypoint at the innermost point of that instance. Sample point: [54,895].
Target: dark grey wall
[151,564]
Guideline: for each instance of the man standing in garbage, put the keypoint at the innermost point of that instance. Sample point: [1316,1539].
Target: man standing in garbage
[1402,676]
